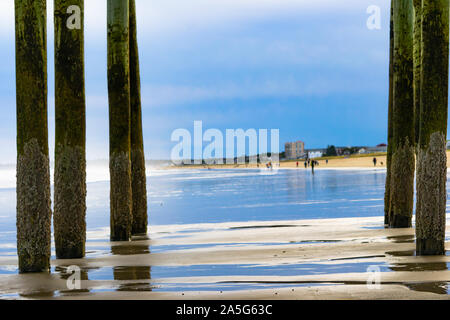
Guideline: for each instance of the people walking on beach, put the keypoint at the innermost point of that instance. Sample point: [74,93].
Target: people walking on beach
[327,161]
[297,164]
[306,164]
[312,166]
[374,162]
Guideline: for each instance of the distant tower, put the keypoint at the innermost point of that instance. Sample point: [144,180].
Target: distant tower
[294,150]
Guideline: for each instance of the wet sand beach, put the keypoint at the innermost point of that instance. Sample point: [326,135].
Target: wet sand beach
[296,259]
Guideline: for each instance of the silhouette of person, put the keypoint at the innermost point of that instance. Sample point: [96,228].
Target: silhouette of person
[374,162]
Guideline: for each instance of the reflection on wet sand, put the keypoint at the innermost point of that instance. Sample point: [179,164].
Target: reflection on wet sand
[38,295]
[262,227]
[433,287]
[129,274]
[127,250]
[328,258]
[439,266]
[402,239]
[406,253]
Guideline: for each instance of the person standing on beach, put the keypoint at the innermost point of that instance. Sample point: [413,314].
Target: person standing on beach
[312,166]
[306,164]
[297,164]
[374,162]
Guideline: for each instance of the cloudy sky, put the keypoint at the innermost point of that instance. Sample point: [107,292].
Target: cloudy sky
[309,68]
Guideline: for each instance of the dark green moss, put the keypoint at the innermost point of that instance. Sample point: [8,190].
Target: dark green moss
[387,192]
[31,73]
[119,119]
[139,192]
[139,184]
[402,166]
[434,66]
[401,221]
[417,52]
[432,163]
[417,80]
[33,175]
[70,138]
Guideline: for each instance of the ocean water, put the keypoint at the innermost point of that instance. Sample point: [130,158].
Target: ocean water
[210,196]
[246,195]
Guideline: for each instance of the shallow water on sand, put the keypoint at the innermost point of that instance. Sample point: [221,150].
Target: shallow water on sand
[212,196]
[204,196]
[178,197]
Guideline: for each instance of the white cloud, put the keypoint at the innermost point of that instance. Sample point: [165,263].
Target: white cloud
[162,95]
[156,16]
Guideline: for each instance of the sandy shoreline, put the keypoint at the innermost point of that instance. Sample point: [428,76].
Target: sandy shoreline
[310,259]
[353,162]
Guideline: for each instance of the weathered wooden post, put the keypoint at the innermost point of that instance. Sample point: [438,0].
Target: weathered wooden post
[387,193]
[417,86]
[33,172]
[417,53]
[432,157]
[119,119]
[70,138]
[403,161]
[138,176]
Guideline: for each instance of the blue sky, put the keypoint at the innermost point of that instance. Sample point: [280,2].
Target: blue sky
[309,68]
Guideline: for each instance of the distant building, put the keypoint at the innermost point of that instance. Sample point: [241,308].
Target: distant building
[346,151]
[294,150]
[379,148]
